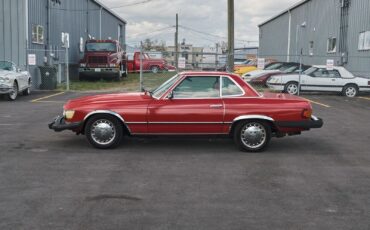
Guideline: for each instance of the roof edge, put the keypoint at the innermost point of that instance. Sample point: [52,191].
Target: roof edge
[284,12]
[110,11]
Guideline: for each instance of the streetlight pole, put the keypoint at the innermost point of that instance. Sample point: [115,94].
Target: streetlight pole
[230,12]
[303,25]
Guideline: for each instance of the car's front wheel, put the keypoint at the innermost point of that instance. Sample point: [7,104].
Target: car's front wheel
[252,136]
[154,69]
[14,93]
[291,88]
[104,131]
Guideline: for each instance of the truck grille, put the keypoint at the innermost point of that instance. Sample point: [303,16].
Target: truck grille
[98,60]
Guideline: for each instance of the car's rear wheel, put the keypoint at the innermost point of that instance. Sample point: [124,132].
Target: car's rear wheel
[291,88]
[14,93]
[252,136]
[27,91]
[350,91]
[154,69]
[104,131]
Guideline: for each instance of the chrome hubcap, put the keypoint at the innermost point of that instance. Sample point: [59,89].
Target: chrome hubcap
[13,94]
[253,135]
[103,132]
[350,92]
[292,89]
[155,69]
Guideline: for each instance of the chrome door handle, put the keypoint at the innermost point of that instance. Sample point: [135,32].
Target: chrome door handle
[216,106]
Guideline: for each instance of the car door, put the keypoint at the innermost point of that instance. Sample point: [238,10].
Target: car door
[194,106]
[322,80]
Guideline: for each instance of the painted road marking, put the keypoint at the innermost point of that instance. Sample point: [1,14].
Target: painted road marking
[50,101]
[46,97]
[366,98]
[318,103]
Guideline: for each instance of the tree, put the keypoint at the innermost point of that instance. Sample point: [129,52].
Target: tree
[154,45]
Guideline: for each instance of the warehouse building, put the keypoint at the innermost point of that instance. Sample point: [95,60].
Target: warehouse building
[31,32]
[322,30]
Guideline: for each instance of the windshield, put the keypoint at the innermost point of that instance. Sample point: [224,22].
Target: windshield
[5,65]
[274,66]
[107,46]
[165,86]
[310,70]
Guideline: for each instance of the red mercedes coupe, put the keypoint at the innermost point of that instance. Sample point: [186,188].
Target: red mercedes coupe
[190,103]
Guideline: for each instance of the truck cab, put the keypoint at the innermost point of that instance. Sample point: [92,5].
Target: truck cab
[103,59]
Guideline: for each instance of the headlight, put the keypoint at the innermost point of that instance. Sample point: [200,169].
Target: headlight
[112,65]
[83,65]
[4,80]
[68,114]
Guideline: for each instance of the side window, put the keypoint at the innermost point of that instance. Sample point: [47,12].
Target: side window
[198,87]
[229,88]
[334,74]
[319,73]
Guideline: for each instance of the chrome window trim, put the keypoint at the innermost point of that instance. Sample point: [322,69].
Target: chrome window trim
[230,96]
[196,98]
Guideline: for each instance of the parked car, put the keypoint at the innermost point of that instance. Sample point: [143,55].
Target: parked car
[103,59]
[149,64]
[262,80]
[190,103]
[13,80]
[249,66]
[319,78]
[275,67]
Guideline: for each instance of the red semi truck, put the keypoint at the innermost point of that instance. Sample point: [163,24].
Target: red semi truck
[149,64]
[103,59]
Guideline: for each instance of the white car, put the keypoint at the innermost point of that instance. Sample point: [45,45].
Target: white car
[13,81]
[277,67]
[319,78]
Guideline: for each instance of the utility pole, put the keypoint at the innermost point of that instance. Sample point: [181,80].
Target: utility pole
[177,42]
[216,62]
[230,35]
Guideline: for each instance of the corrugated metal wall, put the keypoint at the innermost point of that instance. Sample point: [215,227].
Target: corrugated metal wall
[13,31]
[79,18]
[322,21]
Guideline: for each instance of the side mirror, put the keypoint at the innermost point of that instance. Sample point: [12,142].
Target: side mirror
[170,95]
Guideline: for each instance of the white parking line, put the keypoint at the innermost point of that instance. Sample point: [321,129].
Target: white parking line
[366,98]
[318,103]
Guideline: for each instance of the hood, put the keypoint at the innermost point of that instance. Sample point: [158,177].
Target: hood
[257,73]
[5,73]
[105,101]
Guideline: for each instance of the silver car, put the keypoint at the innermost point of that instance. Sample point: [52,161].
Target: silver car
[13,81]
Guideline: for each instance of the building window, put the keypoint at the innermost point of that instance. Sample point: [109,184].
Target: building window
[37,34]
[332,45]
[364,41]
[310,48]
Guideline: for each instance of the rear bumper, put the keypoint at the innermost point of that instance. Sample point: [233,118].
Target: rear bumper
[313,123]
[59,124]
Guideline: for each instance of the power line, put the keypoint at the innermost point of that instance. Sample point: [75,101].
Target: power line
[151,32]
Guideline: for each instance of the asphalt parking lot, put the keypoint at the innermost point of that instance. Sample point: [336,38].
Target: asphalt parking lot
[319,180]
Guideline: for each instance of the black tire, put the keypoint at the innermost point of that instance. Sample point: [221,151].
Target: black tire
[27,91]
[92,134]
[13,96]
[154,69]
[291,88]
[241,140]
[350,90]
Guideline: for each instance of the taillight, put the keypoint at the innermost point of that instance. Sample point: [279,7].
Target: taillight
[307,113]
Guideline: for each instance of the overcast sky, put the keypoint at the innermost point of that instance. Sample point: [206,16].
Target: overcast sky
[208,17]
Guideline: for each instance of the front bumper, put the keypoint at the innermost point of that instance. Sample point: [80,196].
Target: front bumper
[313,123]
[103,70]
[5,89]
[59,124]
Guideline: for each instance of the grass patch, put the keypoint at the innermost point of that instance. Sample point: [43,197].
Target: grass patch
[131,83]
